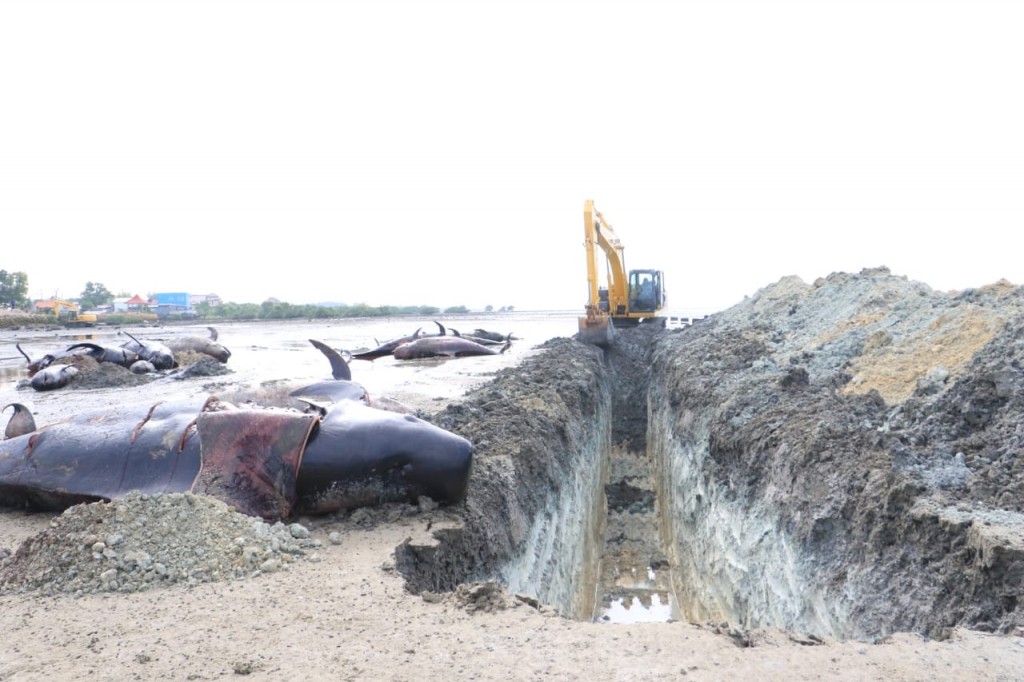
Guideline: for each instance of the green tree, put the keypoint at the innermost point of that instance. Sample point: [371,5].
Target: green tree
[13,289]
[94,295]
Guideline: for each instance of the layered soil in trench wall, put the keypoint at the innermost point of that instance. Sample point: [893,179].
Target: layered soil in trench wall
[844,458]
[533,515]
[841,458]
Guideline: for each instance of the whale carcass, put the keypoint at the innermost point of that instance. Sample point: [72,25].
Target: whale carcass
[444,347]
[268,462]
[200,344]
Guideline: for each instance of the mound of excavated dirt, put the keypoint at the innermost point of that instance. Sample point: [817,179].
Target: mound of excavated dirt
[868,426]
[139,542]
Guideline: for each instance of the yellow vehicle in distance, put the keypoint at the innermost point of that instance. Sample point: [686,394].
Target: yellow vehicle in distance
[69,313]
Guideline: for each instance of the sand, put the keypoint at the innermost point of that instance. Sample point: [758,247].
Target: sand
[343,613]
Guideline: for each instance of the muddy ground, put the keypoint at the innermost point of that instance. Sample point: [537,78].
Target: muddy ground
[867,424]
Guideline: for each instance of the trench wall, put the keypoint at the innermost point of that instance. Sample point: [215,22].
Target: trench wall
[558,561]
[732,562]
[789,504]
[533,517]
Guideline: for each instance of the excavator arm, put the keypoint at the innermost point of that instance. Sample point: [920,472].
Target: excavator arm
[598,233]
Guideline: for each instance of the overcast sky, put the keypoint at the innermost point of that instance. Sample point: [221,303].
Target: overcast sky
[440,153]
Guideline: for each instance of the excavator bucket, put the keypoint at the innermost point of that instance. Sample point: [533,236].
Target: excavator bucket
[597,330]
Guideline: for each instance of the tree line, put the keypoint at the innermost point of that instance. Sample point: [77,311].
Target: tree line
[277,310]
[14,295]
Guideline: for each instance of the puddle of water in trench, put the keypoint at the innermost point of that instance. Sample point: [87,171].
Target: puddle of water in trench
[635,579]
[638,612]
[639,595]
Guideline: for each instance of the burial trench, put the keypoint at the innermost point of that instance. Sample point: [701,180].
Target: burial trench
[701,475]
[562,504]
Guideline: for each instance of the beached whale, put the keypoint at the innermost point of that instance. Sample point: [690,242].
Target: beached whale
[445,347]
[200,344]
[268,462]
[154,352]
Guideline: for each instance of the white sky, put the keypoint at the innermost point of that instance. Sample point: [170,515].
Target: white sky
[440,153]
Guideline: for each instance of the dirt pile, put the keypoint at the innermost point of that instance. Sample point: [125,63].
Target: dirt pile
[139,542]
[870,426]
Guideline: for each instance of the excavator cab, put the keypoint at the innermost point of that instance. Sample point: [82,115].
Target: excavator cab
[646,291]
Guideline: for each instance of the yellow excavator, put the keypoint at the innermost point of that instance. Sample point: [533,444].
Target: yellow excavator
[68,313]
[624,301]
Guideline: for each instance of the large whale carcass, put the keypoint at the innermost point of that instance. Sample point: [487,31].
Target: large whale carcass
[445,347]
[269,462]
[388,347]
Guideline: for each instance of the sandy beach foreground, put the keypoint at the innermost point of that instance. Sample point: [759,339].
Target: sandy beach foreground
[342,612]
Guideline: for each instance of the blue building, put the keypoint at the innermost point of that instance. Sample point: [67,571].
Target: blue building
[174,304]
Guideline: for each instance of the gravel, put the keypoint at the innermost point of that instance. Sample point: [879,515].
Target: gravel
[140,542]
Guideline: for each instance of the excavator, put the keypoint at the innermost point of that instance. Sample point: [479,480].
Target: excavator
[68,313]
[625,301]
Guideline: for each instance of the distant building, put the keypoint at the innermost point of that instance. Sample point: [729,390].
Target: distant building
[212,300]
[133,304]
[174,304]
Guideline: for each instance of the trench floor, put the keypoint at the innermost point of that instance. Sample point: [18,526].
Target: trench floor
[634,578]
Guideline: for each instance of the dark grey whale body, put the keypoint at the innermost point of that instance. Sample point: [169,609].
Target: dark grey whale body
[269,462]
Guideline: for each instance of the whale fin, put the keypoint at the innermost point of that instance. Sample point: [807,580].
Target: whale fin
[21,421]
[339,368]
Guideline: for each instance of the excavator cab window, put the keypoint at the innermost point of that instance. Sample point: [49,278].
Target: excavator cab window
[644,291]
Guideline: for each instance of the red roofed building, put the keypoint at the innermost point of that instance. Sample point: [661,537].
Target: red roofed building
[134,304]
